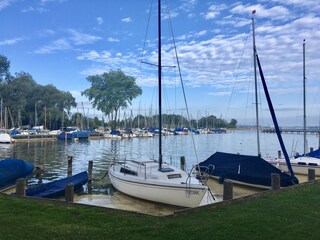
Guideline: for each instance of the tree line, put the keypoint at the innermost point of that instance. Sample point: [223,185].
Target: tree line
[26,103]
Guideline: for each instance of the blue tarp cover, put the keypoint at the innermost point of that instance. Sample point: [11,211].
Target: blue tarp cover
[243,168]
[315,154]
[57,188]
[12,169]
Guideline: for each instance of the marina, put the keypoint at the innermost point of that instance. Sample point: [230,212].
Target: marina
[52,158]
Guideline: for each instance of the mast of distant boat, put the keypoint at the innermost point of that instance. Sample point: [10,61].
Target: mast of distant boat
[159,84]
[304,101]
[255,83]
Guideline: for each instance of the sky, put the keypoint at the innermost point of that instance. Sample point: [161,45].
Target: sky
[62,42]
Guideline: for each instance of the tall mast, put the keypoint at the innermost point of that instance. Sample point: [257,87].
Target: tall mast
[304,101]
[159,84]
[1,123]
[255,82]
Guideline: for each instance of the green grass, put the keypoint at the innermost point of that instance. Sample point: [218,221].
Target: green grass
[292,214]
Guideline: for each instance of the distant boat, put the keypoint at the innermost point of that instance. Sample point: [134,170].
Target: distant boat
[158,181]
[250,170]
[6,138]
[73,133]
[12,169]
[57,188]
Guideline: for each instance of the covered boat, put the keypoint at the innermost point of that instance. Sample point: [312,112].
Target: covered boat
[12,169]
[313,154]
[251,170]
[57,188]
[248,170]
[72,133]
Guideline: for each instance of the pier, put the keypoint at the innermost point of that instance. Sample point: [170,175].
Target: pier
[291,130]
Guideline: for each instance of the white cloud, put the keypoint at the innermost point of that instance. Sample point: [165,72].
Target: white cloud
[5,3]
[10,41]
[110,39]
[126,20]
[188,5]
[79,38]
[76,38]
[57,45]
[275,12]
[214,11]
[201,33]
[99,20]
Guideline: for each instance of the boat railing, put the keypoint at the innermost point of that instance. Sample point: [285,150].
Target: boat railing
[202,173]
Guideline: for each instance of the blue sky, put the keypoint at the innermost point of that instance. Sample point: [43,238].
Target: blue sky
[61,42]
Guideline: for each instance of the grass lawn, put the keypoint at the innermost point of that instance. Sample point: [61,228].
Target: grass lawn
[292,214]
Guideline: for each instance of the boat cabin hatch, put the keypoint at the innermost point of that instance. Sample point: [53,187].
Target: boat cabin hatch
[164,170]
[128,171]
[302,163]
[312,164]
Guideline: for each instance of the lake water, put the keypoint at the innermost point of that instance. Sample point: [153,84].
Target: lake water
[52,156]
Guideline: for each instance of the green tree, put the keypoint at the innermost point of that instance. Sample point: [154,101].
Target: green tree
[4,68]
[233,123]
[111,91]
[28,100]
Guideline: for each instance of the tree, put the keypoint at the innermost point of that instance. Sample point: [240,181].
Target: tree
[233,123]
[28,100]
[111,91]
[4,68]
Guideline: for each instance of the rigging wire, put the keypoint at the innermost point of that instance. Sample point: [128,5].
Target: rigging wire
[180,76]
[234,82]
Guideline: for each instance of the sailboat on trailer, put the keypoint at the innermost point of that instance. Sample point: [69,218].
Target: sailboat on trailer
[250,170]
[158,181]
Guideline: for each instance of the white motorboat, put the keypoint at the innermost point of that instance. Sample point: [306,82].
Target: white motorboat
[6,138]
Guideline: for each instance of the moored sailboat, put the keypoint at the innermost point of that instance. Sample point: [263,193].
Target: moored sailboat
[158,181]
[250,170]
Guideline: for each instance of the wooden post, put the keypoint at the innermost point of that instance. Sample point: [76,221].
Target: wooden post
[21,187]
[70,165]
[279,154]
[69,192]
[183,163]
[275,181]
[227,190]
[311,174]
[90,170]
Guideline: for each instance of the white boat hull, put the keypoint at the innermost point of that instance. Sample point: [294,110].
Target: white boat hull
[6,138]
[299,165]
[173,192]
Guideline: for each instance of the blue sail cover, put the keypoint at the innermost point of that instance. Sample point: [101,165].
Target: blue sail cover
[315,154]
[12,169]
[247,169]
[57,188]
